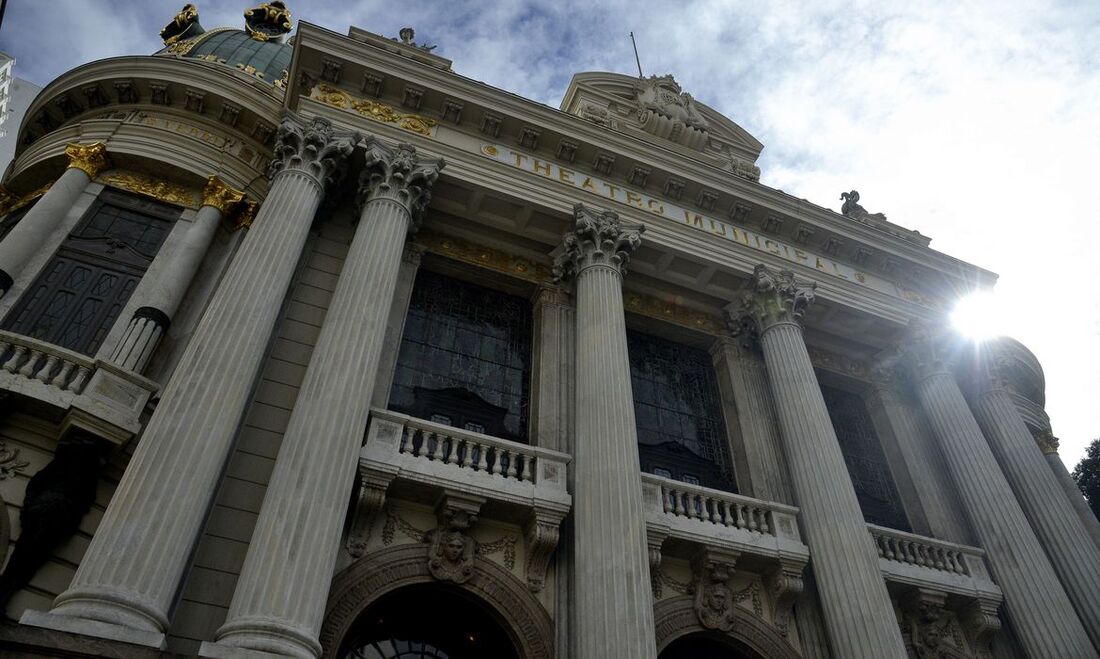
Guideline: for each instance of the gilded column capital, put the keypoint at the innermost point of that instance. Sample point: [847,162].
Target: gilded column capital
[88,158]
[398,173]
[315,148]
[776,297]
[598,238]
[1047,442]
[218,194]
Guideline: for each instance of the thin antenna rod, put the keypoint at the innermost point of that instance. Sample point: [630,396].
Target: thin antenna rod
[636,59]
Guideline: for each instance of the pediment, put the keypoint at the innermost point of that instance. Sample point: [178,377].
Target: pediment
[660,110]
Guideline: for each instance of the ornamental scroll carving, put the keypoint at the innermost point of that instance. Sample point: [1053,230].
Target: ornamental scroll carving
[597,238]
[315,149]
[399,174]
[777,297]
[542,538]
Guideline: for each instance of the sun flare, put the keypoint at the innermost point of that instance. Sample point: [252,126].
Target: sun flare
[980,315]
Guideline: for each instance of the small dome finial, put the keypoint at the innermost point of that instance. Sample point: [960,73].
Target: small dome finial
[184,25]
[268,21]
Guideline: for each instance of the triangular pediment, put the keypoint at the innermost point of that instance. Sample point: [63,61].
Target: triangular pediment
[659,109]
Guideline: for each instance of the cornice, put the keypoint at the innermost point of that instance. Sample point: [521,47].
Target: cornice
[529,112]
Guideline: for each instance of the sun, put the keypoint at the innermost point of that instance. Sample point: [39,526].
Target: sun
[980,315]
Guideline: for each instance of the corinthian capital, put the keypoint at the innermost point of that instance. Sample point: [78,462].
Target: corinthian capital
[597,238]
[777,297]
[398,173]
[88,158]
[314,148]
[220,195]
[927,350]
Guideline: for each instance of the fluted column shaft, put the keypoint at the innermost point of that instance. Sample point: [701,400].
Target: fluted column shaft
[163,289]
[279,602]
[854,601]
[28,237]
[1073,555]
[1040,612]
[1073,493]
[613,600]
[129,575]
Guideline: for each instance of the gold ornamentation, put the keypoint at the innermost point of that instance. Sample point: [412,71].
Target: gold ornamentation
[161,190]
[672,312]
[25,199]
[245,216]
[281,83]
[88,158]
[219,195]
[485,257]
[270,20]
[373,110]
[10,464]
[180,24]
[7,199]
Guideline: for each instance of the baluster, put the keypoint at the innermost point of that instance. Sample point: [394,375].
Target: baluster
[513,467]
[751,518]
[740,515]
[4,345]
[497,466]
[766,525]
[879,546]
[679,502]
[29,367]
[891,549]
[727,518]
[482,457]
[715,514]
[47,368]
[923,559]
[77,385]
[699,506]
[525,475]
[450,451]
[468,453]
[63,375]
[665,505]
[16,357]
[939,558]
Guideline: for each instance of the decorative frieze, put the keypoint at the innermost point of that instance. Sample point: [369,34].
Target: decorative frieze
[372,110]
[486,257]
[154,188]
[654,307]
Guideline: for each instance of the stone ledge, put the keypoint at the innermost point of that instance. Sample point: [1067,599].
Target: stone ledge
[19,641]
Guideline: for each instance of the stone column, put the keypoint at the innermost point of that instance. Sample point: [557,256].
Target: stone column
[612,598]
[1048,444]
[31,233]
[552,405]
[899,416]
[1073,555]
[129,576]
[743,383]
[279,602]
[395,326]
[857,609]
[163,289]
[1040,612]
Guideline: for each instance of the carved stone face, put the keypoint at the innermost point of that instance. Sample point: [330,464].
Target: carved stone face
[718,596]
[453,549]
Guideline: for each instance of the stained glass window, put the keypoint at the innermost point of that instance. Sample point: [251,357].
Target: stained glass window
[878,497]
[465,356]
[678,412]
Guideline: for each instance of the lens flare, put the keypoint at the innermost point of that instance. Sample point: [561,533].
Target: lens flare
[980,315]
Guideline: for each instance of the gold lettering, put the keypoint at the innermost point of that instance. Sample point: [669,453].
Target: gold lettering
[820,265]
[566,176]
[656,207]
[519,158]
[634,198]
[836,269]
[800,255]
[693,220]
[786,252]
[771,246]
[718,228]
[612,190]
[537,167]
[589,185]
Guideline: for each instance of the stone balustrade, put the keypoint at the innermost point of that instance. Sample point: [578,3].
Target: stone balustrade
[714,518]
[97,395]
[914,560]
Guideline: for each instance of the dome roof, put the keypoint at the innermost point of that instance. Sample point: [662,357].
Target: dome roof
[264,60]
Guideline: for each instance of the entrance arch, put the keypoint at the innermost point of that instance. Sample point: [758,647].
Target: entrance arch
[504,598]
[753,638]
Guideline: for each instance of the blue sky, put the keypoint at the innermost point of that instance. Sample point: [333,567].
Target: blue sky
[975,123]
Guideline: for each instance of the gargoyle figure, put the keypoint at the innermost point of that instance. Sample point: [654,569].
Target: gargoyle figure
[852,209]
[270,20]
[184,26]
[56,499]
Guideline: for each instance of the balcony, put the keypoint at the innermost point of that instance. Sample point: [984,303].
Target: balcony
[89,393]
[422,461]
[907,559]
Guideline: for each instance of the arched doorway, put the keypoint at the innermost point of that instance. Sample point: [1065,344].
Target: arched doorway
[703,645]
[426,621]
[493,600]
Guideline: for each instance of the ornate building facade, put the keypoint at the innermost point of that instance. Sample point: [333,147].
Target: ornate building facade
[314,347]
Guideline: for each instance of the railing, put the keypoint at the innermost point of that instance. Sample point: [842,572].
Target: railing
[467,450]
[715,507]
[52,366]
[921,551]
[98,394]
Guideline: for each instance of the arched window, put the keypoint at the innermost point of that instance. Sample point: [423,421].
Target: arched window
[427,622]
[81,291]
[676,405]
[705,645]
[465,357]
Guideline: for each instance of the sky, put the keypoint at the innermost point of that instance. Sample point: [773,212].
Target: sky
[976,123]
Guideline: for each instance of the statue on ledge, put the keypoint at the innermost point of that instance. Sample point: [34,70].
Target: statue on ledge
[852,209]
[268,21]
